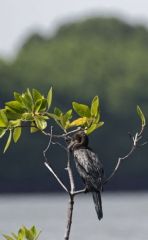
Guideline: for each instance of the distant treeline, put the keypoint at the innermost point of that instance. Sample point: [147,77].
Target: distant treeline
[98,56]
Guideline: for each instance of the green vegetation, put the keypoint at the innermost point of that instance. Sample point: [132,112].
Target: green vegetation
[104,57]
[24,234]
[33,108]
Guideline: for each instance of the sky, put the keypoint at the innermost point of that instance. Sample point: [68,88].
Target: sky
[19,18]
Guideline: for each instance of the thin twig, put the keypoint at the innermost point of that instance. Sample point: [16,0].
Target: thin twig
[142,144]
[48,145]
[135,139]
[47,164]
[120,159]
[57,178]
[59,144]
[64,135]
[79,192]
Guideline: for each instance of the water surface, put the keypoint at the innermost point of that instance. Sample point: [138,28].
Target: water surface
[125,216]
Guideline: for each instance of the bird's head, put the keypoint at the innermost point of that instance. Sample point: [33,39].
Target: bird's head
[79,140]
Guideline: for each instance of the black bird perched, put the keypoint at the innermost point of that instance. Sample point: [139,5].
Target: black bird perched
[89,168]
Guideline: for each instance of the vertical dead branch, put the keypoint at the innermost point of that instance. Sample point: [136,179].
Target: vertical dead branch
[69,217]
[70,192]
[71,197]
[70,174]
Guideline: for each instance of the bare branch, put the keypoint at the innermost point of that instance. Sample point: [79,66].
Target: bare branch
[69,217]
[71,197]
[57,178]
[142,144]
[61,135]
[79,191]
[135,140]
[48,145]
[70,174]
[59,144]
[48,166]
[120,159]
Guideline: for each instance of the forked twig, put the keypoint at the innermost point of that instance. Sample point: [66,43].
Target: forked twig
[47,164]
[135,141]
[64,135]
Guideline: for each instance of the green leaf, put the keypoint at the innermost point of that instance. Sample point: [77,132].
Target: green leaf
[68,115]
[17,133]
[8,141]
[18,97]
[27,117]
[16,106]
[43,105]
[21,233]
[29,95]
[12,114]
[95,106]
[141,115]
[33,129]
[33,230]
[81,109]
[64,118]
[40,122]
[28,100]
[38,105]
[14,123]
[49,98]
[14,235]
[52,115]
[92,128]
[96,119]
[29,234]
[2,132]
[7,237]
[24,234]
[3,119]
[36,95]
[63,121]
[100,124]
[57,112]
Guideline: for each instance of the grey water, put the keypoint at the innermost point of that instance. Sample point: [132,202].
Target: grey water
[125,216]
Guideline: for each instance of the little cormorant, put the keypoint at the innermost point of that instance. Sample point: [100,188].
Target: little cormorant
[89,168]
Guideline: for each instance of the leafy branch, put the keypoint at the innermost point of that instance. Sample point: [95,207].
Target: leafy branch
[32,110]
[135,143]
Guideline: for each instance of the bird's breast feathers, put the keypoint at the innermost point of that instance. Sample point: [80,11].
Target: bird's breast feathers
[89,161]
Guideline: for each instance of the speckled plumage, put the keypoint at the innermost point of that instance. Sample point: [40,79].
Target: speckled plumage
[89,168]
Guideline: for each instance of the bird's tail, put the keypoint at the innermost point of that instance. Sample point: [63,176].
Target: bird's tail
[98,204]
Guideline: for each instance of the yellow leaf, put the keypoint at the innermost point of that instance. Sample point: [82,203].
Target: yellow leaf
[78,122]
